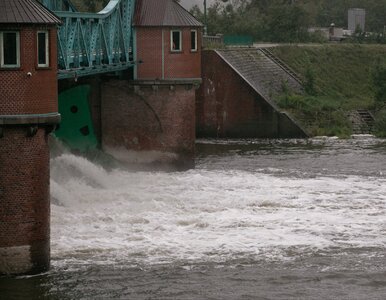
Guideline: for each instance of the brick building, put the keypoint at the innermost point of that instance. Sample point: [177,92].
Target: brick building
[151,119]
[28,112]
[167,41]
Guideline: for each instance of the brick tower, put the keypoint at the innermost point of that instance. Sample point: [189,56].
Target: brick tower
[154,114]
[28,112]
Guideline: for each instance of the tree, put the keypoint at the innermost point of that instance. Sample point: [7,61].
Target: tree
[379,84]
[287,20]
[287,23]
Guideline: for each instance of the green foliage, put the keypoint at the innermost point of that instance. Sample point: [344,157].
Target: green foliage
[379,88]
[322,116]
[287,24]
[309,84]
[339,72]
[309,104]
[317,37]
[288,20]
[380,124]
[337,79]
[379,80]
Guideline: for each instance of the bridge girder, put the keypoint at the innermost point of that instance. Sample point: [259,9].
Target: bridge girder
[93,43]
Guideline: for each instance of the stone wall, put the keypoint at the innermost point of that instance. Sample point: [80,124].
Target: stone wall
[149,123]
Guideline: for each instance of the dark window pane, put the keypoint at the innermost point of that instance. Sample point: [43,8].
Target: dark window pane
[176,40]
[10,48]
[42,48]
[193,40]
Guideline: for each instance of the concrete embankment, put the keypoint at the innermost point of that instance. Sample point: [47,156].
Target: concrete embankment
[236,98]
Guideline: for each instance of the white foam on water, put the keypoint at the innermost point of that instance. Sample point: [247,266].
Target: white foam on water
[209,215]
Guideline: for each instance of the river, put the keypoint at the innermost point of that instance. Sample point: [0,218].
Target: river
[256,219]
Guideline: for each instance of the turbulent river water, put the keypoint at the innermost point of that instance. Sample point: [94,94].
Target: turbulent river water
[256,219]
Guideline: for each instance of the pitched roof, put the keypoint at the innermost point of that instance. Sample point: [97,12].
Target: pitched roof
[27,12]
[163,13]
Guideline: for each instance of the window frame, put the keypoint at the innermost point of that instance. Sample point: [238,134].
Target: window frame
[47,49]
[171,40]
[195,40]
[2,63]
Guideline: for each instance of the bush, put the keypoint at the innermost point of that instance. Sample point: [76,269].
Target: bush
[380,124]
[379,83]
[321,115]
[309,83]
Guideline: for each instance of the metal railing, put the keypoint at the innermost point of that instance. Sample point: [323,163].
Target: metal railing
[282,65]
[213,41]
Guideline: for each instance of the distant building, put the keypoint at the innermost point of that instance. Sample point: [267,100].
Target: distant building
[335,33]
[356,19]
[331,33]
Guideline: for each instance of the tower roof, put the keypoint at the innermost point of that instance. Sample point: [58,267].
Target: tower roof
[26,12]
[163,13]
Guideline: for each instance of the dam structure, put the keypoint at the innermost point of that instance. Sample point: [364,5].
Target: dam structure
[139,77]
[131,80]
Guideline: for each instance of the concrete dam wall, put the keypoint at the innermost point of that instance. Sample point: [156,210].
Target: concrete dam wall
[236,98]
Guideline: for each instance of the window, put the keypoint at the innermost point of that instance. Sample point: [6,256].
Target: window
[43,49]
[193,40]
[10,49]
[176,40]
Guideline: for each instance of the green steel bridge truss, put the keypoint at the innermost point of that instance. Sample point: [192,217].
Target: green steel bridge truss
[93,43]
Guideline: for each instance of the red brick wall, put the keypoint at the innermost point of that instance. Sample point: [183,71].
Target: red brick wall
[184,64]
[20,94]
[24,161]
[149,51]
[24,193]
[155,118]
[226,105]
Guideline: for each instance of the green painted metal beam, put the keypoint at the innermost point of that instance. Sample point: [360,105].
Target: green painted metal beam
[76,73]
[76,129]
[94,43]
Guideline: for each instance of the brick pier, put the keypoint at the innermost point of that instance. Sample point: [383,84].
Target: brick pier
[28,113]
[150,123]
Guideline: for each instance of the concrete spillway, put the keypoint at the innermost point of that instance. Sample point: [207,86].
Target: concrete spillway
[237,97]
[262,72]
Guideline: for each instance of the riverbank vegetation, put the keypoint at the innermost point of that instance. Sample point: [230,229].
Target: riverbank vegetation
[289,20]
[338,79]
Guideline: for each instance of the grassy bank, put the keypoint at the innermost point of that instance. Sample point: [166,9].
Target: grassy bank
[337,78]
